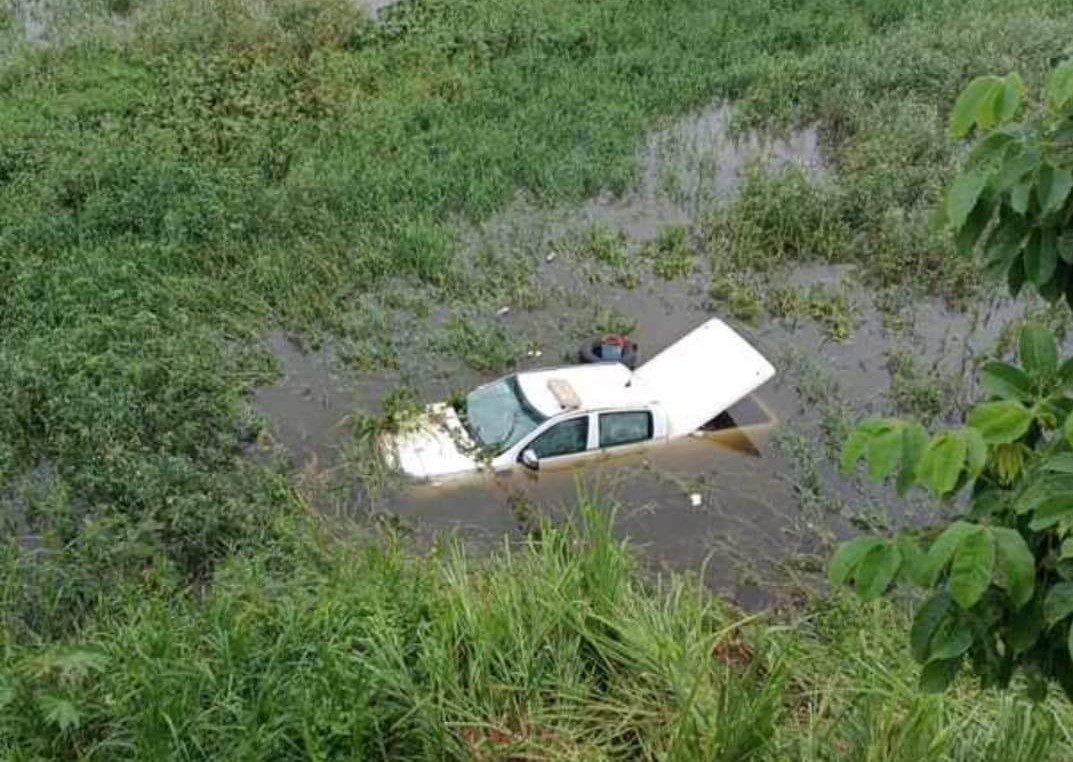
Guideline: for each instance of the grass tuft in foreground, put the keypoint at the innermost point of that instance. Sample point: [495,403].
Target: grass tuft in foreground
[554,650]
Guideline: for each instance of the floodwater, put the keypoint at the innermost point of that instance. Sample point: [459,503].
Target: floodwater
[714,501]
[754,508]
[16,499]
[311,403]
[35,17]
[374,7]
[727,502]
[683,169]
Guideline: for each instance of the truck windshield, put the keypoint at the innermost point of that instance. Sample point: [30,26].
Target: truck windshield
[498,415]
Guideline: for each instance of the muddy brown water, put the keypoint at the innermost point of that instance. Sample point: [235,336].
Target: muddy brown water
[753,509]
[711,501]
[683,169]
[728,503]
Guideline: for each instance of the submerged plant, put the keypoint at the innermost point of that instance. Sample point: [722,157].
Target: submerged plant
[833,311]
[671,254]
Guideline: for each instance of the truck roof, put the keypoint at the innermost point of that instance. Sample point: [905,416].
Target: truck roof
[694,379]
[595,386]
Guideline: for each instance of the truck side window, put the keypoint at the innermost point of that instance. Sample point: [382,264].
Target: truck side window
[625,428]
[563,438]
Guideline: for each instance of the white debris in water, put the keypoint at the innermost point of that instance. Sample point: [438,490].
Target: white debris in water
[551,256]
[502,311]
[695,499]
[534,353]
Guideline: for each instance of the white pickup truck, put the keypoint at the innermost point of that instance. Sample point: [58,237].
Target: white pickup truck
[557,416]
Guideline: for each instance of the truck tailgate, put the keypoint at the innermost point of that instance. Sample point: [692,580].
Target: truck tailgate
[702,374]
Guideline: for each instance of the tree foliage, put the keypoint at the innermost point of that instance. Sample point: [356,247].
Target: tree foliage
[999,580]
[1013,200]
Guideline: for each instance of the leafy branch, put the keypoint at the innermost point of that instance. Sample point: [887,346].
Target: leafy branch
[999,580]
[1012,200]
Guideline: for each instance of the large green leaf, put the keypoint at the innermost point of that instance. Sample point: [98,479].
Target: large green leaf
[1040,260]
[992,147]
[854,448]
[884,452]
[975,452]
[1067,428]
[1048,249]
[857,442]
[914,566]
[1038,351]
[914,440]
[979,93]
[876,571]
[972,567]
[975,225]
[1000,379]
[937,675]
[1060,463]
[1007,100]
[951,640]
[1004,245]
[1002,253]
[1001,421]
[1052,290]
[941,462]
[986,503]
[1017,563]
[942,550]
[1059,603]
[926,623]
[963,195]
[1042,489]
[1053,189]
[1016,167]
[1015,275]
[1060,86]
[848,555]
[1020,195]
[1051,510]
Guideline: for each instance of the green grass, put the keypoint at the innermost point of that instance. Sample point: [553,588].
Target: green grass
[832,310]
[670,253]
[556,650]
[179,177]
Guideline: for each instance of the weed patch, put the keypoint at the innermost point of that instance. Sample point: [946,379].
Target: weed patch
[834,312]
[923,393]
[552,650]
[670,254]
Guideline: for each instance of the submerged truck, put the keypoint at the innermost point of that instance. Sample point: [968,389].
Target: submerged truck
[557,416]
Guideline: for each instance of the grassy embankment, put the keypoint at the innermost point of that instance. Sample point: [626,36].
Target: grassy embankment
[177,180]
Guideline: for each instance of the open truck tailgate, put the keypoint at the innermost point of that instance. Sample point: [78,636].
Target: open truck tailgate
[702,374]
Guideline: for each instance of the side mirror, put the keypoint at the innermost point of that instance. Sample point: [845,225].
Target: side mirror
[530,460]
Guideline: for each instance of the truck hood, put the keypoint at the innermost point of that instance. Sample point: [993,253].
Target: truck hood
[437,446]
